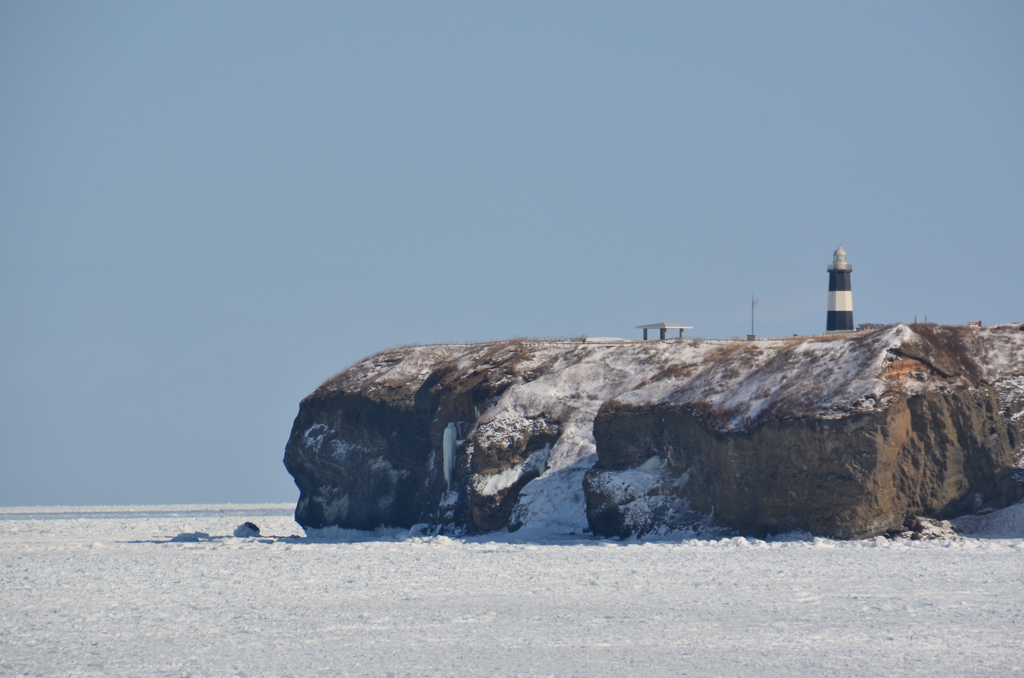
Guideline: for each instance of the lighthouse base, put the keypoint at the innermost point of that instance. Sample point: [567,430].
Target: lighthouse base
[839,320]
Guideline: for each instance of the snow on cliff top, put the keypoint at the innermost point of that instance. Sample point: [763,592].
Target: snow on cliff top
[741,382]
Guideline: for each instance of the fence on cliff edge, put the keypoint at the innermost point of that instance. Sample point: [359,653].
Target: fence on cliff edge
[576,342]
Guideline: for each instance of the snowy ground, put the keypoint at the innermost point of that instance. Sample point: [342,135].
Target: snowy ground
[101,591]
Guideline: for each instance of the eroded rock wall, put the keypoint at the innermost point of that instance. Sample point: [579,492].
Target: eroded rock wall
[938,455]
[370,454]
[845,436]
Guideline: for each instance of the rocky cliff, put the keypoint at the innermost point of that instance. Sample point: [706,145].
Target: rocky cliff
[844,435]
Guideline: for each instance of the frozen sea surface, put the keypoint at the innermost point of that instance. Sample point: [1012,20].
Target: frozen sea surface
[102,592]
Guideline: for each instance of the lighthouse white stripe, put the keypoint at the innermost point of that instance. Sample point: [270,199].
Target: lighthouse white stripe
[840,301]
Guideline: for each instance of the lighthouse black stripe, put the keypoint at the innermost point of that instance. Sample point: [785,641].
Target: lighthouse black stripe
[839,281]
[839,320]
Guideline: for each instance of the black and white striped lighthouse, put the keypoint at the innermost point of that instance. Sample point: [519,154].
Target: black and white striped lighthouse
[840,295]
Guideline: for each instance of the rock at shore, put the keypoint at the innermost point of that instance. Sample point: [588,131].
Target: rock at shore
[844,436]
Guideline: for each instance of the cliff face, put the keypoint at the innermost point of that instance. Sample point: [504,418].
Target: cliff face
[843,436]
[939,455]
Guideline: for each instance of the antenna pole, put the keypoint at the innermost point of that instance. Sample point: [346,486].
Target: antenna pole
[753,303]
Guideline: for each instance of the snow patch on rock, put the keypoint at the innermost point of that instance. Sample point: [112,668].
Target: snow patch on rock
[490,485]
[1007,523]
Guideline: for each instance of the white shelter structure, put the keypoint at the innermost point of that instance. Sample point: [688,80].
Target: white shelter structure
[664,328]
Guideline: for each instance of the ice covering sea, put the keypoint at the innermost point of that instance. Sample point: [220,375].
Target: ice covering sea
[104,591]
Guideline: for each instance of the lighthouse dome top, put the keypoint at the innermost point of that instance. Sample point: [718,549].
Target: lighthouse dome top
[839,260]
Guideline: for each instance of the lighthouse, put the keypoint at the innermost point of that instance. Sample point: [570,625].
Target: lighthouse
[840,296]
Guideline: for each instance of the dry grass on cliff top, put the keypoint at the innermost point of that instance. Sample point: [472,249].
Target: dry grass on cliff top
[738,383]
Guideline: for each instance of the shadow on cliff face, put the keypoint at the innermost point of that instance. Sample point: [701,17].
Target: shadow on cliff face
[355,462]
[369,456]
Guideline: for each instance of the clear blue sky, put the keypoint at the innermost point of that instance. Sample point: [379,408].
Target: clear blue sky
[206,209]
